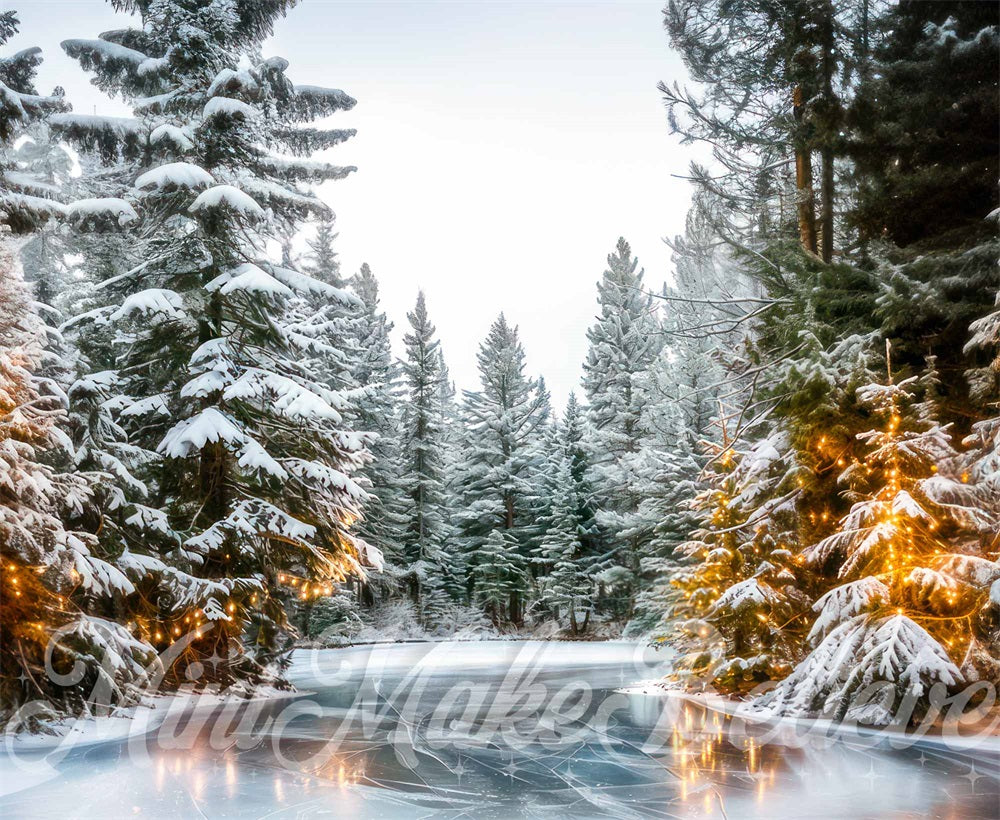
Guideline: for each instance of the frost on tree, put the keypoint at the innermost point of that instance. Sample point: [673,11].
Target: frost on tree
[248,454]
[624,341]
[499,478]
[736,596]
[427,526]
[376,375]
[567,587]
[910,606]
[27,199]
[50,575]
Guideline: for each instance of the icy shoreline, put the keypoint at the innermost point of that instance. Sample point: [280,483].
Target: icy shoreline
[798,731]
[69,733]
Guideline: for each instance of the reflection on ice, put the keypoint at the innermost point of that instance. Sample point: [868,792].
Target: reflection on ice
[491,730]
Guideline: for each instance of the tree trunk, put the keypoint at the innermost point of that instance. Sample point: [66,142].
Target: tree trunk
[804,180]
[826,214]
[829,135]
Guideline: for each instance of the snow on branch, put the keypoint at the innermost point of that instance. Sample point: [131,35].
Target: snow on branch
[311,102]
[101,212]
[248,278]
[228,197]
[175,175]
[191,434]
[148,303]
[283,395]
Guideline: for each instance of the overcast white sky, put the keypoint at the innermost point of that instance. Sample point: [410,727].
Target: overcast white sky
[502,148]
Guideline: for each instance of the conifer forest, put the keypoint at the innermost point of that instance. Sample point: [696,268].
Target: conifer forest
[269,548]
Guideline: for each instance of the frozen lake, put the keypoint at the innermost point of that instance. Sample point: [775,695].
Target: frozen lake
[484,730]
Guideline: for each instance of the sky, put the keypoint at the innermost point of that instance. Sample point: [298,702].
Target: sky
[502,147]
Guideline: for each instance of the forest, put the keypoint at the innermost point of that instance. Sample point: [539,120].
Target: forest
[783,463]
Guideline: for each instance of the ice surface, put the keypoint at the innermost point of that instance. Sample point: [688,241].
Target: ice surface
[388,731]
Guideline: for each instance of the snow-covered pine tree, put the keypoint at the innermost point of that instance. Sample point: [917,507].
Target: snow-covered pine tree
[623,343]
[333,323]
[738,595]
[933,197]
[566,590]
[323,262]
[49,165]
[984,440]
[664,474]
[575,438]
[902,612]
[27,200]
[50,579]
[497,478]
[428,530]
[32,180]
[376,410]
[256,461]
[500,577]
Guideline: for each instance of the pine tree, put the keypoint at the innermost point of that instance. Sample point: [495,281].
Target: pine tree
[428,529]
[27,200]
[755,62]
[376,375]
[984,440]
[738,589]
[897,618]
[500,577]
[53,582]
[323,263]
[664,475]
[623,343]
[575,436]
[925,137]
[332,318]
[498,479]
[567,588]
[253,461]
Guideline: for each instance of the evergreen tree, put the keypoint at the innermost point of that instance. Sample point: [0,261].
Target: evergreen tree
[498,479]
[738,593]
[896,619]
[55,587]
[664,475]
[623,343]
[376,375]
[333,319]
[926,124]
[428,529]
[567,588]
[323,263]
[27,199]
[575,436]
[500,577]
[54,584]
[252,461]
[756,62]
